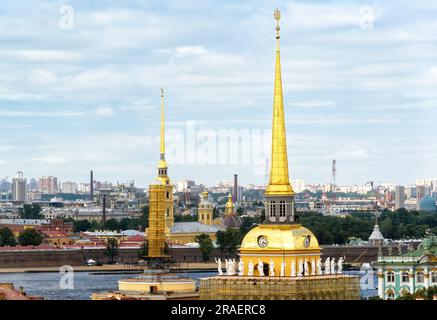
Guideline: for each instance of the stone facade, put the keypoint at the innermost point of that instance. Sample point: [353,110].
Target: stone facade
[338,287]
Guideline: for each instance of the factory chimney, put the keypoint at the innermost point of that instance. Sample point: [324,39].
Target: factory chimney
[235,195]
[92,186]
[104,209]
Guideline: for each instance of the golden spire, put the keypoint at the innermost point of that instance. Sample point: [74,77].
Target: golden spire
[279,182]
[162,162]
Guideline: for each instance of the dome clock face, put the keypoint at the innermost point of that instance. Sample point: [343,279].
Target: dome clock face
[262,241]
[307,241]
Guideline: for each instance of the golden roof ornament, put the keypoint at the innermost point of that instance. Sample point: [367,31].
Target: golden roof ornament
[277,16]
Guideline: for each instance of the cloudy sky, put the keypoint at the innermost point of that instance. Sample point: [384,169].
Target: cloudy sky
[79,88]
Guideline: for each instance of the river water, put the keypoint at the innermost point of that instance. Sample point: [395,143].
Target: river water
[52,286]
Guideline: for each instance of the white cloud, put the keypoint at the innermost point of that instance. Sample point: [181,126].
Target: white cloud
[50,160]
[189,51]
[44,55]
[42,77]
[313,104]
[29,113]
[104,112]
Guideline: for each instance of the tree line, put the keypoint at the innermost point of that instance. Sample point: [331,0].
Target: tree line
[29,237]
[400,224]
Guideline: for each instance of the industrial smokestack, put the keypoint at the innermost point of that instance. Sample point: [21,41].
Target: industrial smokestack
[104,209]
[235,195]
[92,186]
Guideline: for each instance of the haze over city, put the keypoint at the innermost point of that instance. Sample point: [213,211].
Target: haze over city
[359,87]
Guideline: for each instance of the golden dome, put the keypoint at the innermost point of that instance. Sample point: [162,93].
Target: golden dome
[274,237]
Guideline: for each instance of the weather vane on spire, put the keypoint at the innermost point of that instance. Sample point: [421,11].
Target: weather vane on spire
[277,16]
[162,92]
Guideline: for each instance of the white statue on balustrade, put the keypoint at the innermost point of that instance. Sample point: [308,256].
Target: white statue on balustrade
[319,266]
[333,266]
[313,267]
[241,268]
[300,271]
[219,266]
[227,266]
[305,268]
[293,268]
[327,266]
[234,267]
[283,265]
[250,268]
[260,268]
[340,265]
[271,268]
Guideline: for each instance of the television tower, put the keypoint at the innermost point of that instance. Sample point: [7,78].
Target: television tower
[334,175]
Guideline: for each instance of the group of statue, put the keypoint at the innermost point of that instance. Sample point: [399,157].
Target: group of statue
[302,271]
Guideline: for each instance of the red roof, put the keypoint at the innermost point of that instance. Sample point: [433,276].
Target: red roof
[136,238]
[54,234]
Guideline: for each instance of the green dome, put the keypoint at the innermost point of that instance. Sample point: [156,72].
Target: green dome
[428,204]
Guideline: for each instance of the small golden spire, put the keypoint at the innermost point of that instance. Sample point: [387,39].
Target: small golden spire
[279,182]
[162,162]
[162,123]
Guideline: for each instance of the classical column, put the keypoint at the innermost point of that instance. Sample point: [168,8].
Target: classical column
[427,277]
[380,283]
[412,280]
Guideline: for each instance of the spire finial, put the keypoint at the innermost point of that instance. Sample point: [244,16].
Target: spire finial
[162,125]
[277,16]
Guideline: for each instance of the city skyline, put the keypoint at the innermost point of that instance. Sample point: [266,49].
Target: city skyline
[358,87]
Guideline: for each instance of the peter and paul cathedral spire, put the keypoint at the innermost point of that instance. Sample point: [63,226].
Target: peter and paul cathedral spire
[162,165]
[279,193]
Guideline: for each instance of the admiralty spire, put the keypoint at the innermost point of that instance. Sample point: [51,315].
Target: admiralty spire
[279,193]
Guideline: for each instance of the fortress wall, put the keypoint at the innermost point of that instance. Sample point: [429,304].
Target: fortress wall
[55,258]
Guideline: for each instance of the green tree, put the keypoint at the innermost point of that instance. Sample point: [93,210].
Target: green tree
[30,211]
[30,237]
[123,224]
[81,225]
[228,240]
[143,221]
[95,225]
[205,246]
[111,224]
[111,249]
[144,250]
[248,224]
[7,238]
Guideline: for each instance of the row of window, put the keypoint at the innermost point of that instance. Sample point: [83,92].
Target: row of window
[282,208]
[405,277]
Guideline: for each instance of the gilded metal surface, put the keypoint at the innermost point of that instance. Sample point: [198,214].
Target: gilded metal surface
[162,163]
[229,206]
[279,182]
[283,237]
